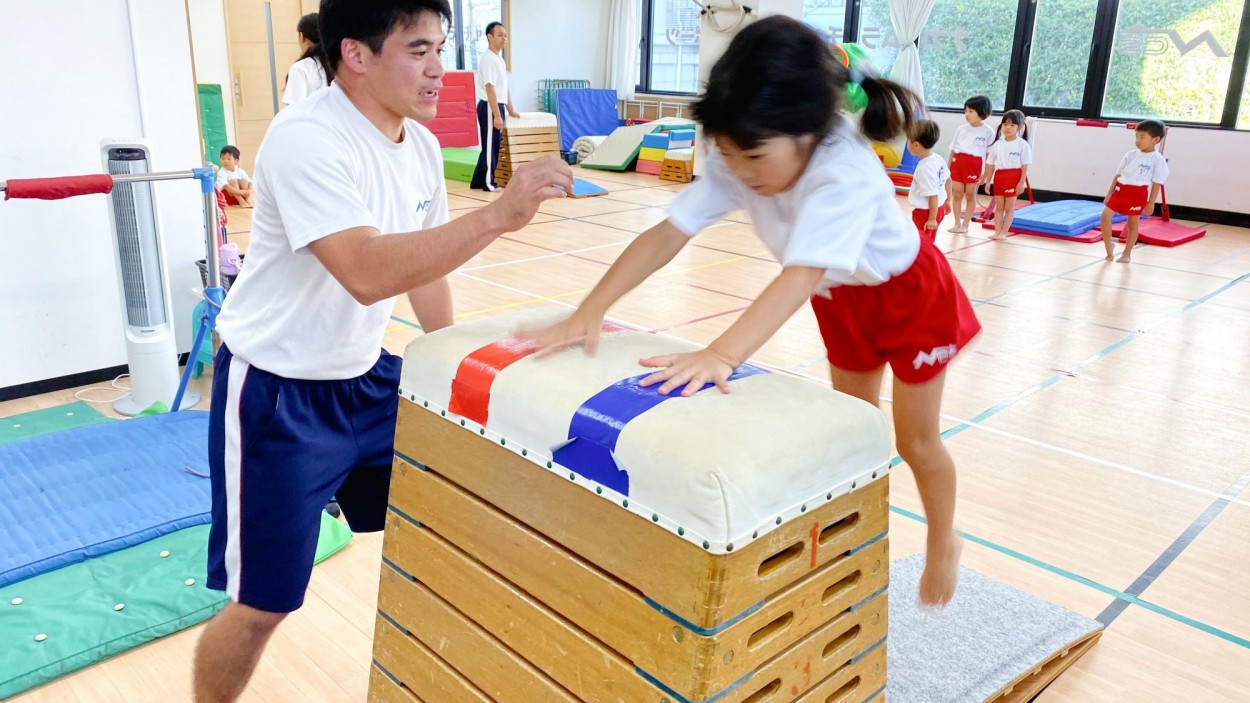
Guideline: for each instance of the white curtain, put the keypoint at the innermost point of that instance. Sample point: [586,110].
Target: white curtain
[624,35]
[908,18]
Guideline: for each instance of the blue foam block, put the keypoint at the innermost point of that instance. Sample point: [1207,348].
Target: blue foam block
[85,492]
[655,140]
[584,189]
[681,135]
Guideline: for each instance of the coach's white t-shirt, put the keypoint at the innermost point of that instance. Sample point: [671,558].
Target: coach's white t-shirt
[929,179]
[840,216]
[305,78]
[492,69]
[1139,168]
[324,168]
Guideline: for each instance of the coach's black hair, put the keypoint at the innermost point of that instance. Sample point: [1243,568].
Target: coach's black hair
[369,21]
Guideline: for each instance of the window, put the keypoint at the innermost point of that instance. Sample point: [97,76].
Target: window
[1243,113]
[965,49]
[466,39]
[668,57]
[1172,60]
[827,17]
[1063,32]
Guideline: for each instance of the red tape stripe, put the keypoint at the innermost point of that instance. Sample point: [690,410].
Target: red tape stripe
[470,389]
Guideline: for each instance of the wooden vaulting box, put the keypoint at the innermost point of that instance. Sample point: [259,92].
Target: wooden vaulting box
[558,533]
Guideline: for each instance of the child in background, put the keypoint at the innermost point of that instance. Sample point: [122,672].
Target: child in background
[820,201]
[967,164]
[233,180]
[1009,159]
[1142,169]
[928,187]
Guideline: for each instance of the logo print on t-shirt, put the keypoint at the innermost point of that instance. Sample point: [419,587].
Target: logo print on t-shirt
[1144,169]
[979,141]
[424,205]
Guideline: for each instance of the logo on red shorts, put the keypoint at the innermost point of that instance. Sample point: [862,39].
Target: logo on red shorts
[939,355]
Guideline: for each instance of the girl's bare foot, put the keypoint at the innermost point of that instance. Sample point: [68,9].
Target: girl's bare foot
[958,229]
[998,236]
[1110,257]
[941,571]
[1123,259]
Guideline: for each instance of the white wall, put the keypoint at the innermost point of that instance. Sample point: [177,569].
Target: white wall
[212,56]
[78,85]
[556,39]
[1082,160]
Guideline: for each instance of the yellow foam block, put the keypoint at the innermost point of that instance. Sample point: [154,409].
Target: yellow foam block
[651,154]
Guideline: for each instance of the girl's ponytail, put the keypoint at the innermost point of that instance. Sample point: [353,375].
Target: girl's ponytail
[892,109]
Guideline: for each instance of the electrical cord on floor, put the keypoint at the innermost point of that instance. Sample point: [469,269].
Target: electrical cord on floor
[114,387]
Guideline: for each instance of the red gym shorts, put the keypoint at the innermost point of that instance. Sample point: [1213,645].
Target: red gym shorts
[966,168]
[1128,200]
[920,215]
[1007,182]
[916,322]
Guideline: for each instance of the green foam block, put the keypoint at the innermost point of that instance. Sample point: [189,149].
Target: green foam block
[458,163]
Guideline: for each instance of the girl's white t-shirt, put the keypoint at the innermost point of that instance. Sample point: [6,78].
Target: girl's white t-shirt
[305,78]
[841,215]
[973,141]
[1013,154]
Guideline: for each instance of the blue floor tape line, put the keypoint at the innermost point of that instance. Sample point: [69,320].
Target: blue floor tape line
[402,321]
[1120,595]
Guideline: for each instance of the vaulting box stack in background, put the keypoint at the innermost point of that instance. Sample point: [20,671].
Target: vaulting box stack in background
[531,136]
[558,533]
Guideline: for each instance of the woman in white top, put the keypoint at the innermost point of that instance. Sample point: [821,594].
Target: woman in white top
[311,73]
[823,206]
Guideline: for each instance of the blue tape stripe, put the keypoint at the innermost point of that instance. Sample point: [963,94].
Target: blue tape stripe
[704,631]
[868,600]
[402,321]
[393,623]
[405,516]
[398,569]
[864,655]
[1121,595]
[387,674]
[412,461]
[856,550]
[678,698]
[596,427]
[875,693]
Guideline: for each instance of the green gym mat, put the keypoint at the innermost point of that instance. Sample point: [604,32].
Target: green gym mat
[73,617]
[49,420]
[212,121]
[458,163]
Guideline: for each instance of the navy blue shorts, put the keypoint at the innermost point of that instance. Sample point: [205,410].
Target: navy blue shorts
[278,450]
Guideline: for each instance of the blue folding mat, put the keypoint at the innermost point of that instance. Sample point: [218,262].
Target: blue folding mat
[1061,217]
[89,491]
[585,112]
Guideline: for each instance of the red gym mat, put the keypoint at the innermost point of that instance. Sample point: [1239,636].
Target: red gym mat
[1094,235]
[1160,232]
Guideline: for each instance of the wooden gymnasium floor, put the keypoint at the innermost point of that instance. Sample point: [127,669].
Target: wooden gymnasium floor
[1101,425]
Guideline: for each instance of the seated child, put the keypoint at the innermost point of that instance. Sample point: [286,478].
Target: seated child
[233,180]
[1135,187]
[928,187]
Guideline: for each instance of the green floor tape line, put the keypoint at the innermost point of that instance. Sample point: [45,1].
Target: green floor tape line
[49,420]
[73,617]
[458,163]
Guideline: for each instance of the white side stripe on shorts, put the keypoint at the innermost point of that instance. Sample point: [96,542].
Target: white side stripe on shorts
[233,465]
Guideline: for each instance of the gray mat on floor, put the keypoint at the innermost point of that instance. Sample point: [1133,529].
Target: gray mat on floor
[990,635]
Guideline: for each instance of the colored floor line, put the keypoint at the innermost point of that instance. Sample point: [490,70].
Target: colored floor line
[1077,578]
[1174,550]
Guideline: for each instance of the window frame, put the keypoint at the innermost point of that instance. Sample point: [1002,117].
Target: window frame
[644,47]
[457,28]
[1098,66]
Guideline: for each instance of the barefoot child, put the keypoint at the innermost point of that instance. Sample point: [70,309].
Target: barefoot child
[1009,159]
[1142,169]
[967,164]
[928,187]
[822,204]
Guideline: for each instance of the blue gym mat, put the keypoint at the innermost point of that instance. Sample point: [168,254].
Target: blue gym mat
[89,491]
[585,112]
[1064,217]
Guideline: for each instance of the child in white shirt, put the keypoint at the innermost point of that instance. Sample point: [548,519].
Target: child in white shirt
[233,180]
[928,186]
[967,165]
[1009,158]
[1135,186]
[821,203]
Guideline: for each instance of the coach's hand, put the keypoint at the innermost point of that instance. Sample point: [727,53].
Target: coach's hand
[533,183]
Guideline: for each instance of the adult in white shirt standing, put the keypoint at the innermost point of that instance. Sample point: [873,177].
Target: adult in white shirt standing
[351,211]
[492,97]
[311,73]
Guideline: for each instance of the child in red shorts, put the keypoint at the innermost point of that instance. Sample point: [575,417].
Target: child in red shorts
[928,186]
[779,147]
[967,165]
[1009,159]
[1135,187]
